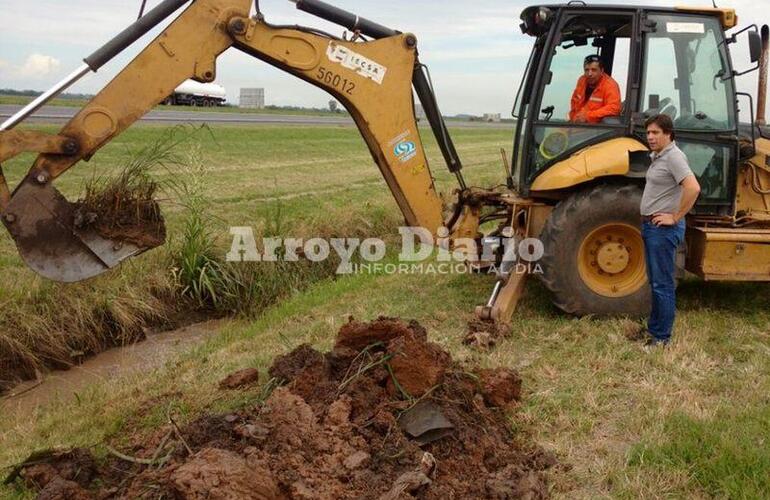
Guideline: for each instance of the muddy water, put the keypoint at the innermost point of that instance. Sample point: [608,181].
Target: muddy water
[142,356]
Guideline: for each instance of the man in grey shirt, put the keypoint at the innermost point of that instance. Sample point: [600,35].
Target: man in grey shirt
[670,192]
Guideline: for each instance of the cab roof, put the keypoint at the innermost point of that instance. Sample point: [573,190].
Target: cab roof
[727,17]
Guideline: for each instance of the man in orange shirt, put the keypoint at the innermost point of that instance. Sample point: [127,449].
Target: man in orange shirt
[596,95]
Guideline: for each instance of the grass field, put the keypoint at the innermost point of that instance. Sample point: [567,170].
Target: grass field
[688,422]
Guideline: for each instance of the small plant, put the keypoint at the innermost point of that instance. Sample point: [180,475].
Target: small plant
[197,268]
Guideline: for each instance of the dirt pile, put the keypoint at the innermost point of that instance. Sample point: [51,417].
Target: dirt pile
[386,414]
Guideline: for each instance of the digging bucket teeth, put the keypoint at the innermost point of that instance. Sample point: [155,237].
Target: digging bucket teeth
[53,242]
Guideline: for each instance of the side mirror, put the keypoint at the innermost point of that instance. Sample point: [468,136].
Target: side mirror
[755,46]
[755,49]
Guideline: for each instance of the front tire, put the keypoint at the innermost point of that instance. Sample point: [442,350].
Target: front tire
[594,253]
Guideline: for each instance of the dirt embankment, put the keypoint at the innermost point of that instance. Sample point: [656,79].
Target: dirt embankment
[386,414]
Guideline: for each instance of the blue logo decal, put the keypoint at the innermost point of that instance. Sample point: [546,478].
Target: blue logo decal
[405,151]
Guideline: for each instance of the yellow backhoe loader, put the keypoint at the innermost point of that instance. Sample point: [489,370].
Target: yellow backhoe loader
[575,186]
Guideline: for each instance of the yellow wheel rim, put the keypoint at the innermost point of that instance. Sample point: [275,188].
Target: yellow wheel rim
[611,260]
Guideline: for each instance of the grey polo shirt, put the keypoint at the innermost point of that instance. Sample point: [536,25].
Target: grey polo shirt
[663,190]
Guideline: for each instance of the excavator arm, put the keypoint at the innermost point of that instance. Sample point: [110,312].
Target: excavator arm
[373,79]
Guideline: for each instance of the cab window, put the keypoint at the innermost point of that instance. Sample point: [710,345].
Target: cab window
[686,75]
[607,39]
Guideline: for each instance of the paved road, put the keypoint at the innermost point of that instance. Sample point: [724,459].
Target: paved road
[59,114]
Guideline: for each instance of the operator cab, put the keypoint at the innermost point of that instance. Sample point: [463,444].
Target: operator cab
[680,67]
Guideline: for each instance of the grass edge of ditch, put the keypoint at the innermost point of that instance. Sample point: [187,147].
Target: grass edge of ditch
[56,326]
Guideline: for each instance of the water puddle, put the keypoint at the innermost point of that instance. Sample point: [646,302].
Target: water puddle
[142,356]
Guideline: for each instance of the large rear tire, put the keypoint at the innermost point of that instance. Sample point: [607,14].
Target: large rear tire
[594,254]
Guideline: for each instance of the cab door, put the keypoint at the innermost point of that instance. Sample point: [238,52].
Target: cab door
[579,34]
[687,75]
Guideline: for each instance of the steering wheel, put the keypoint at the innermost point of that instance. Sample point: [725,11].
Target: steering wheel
[661,105]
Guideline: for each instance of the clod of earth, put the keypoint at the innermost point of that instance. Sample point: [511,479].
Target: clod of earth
[222,475]
[500,387]
[241,378]
[61,489]
[416,365]
[484,335]
[334,430]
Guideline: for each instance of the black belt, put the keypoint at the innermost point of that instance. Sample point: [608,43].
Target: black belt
[647,218]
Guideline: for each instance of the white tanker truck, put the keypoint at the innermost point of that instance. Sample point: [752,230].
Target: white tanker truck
[192,93]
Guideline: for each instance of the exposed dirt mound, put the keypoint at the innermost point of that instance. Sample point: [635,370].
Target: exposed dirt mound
[386,414]
[221,474]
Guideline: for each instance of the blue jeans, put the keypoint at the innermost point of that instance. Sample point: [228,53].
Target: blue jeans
[660,244]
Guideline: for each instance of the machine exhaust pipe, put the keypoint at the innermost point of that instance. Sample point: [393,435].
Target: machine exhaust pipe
[762,91]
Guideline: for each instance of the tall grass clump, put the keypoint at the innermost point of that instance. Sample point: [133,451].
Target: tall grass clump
[196,264]
[53,325]
[200,267]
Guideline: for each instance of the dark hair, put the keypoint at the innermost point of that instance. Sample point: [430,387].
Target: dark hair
[593,58]
[665,123]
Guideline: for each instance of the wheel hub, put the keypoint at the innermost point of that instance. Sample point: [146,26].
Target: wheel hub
[612,257]
[611,260]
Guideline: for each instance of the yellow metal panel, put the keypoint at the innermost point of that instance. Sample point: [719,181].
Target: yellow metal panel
[373,80]
[726,16]
[607,158]
[538,216]
[723,254]
[754,176]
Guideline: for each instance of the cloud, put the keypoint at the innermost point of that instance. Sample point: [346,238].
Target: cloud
[38,66]
[475,50]
[35,67]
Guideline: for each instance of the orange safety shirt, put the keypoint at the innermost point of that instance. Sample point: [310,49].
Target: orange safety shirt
[604,100]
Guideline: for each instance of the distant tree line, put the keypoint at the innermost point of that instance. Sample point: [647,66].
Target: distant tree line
[35,93]
[299,108]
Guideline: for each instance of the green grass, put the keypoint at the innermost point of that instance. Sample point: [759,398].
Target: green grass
[624,423]
[310,171]
[322,180]
[687,422]
[726,455]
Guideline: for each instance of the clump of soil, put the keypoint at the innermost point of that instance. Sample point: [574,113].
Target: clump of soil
[123,209]
[241,378]
[484,335]
[58,474]
[356,422]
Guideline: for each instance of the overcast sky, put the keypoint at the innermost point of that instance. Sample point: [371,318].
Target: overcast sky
[474,49]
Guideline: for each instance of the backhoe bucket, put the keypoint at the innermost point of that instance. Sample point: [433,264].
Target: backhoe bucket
[53,242]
